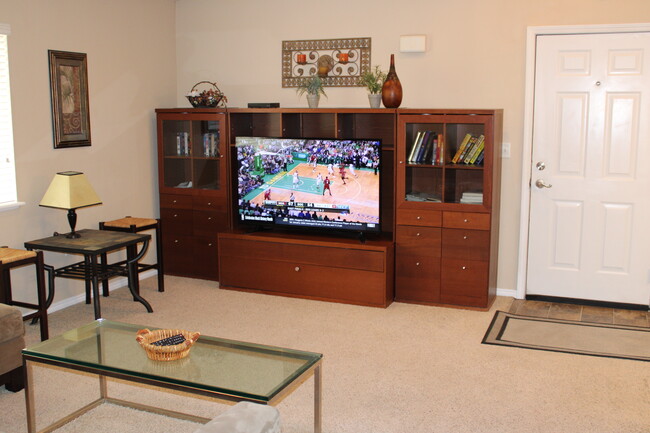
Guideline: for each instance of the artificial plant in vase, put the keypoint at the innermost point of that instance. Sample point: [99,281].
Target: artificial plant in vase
[373,81]
[313,87]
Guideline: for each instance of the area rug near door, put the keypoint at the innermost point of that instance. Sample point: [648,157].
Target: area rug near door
[596,339]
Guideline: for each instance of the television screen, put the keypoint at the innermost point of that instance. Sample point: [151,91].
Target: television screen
[309,183]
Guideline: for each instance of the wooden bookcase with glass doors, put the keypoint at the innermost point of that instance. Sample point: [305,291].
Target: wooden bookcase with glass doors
[447,204]
[193,186]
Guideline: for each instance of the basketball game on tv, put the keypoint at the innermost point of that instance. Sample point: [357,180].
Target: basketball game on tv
[309,183]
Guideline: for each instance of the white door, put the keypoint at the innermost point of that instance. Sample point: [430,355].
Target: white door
[589,231]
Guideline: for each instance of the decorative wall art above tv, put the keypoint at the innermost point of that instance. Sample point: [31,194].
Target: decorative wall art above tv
[339,62]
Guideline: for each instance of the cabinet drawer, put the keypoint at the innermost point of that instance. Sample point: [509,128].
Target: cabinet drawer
[176,222]
[466,244]
[206,257]
[412,217]
[339,258]
[178,251]
[208,223]
[417,278]
[210,203]
[299,279]
[463,278]
[418,241]
[466,220]
[175,201]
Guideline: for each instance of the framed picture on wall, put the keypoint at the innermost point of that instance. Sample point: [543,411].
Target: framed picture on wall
[69,96]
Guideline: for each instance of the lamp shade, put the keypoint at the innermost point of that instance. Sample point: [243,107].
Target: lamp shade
[70,190]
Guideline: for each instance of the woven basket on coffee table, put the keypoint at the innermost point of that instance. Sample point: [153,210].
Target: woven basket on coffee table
[146,338]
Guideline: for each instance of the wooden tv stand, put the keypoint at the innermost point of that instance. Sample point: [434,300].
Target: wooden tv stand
[313,267]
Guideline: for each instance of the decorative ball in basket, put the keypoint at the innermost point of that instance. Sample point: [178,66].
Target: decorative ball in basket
[209,98]
[166,344]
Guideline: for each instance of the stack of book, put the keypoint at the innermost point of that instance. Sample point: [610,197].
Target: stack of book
[471,150]
[472,197]
[422,196]
[427,148]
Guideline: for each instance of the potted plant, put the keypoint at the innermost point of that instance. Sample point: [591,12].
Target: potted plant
[313,87]
[373,80]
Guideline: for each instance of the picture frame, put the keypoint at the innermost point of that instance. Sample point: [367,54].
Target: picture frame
[69,98]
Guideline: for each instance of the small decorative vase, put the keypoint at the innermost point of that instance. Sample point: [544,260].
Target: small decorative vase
[375,100]
[312,100]
[391,92]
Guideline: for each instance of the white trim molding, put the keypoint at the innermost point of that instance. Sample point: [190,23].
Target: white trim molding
[527,143]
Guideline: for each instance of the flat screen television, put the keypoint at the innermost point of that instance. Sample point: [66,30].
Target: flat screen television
[303,183]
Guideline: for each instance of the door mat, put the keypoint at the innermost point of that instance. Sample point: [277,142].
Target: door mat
[583,338]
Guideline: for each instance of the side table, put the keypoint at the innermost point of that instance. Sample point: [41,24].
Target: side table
[92,245]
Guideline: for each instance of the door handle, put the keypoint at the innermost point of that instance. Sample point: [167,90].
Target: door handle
[539,183]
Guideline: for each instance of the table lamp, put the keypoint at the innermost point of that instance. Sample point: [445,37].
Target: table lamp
[70,190]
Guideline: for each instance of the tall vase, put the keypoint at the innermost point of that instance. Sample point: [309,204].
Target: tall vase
[391,92]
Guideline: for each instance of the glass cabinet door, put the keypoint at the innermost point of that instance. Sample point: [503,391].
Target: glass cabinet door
[192,151]
[441,159]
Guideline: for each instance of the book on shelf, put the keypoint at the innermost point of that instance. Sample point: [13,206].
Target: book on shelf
[423,196]
[414,147]
[478,149]
[461,148]
[468,149]
[472,197]
[425,142]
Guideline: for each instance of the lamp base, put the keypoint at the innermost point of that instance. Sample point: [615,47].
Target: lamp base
[73,235]
[72,220]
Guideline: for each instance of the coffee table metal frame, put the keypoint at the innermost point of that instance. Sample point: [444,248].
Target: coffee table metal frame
[30,358]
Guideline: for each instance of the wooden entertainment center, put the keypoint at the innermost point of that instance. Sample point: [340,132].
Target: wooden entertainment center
[439,239]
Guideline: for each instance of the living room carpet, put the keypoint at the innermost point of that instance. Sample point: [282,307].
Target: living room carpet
[407,368]
[596,339]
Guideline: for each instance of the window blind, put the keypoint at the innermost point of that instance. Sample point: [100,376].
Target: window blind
[7,165]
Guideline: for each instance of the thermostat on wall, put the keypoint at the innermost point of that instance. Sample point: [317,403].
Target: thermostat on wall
[412,43]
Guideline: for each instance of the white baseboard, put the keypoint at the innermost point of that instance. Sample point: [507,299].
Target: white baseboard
[512,293]
[115,283]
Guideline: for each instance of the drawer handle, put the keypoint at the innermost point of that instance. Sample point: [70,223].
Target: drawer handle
[464,237]
[297,269]
[418,218]
[175,241]
[463,268]
[417,234]
[209,218]
[417,263]
[173,201]
[210,244]
[175,215]
[466,220]
[209,203]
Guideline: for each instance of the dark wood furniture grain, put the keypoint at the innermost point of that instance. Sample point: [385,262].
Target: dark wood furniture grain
[194,191]
[446,248]
[92,245]
[314,267]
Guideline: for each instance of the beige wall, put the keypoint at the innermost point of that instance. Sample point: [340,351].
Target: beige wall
[475,58]
[131,71]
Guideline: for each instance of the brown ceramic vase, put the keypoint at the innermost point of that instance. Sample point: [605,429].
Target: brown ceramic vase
[391,92]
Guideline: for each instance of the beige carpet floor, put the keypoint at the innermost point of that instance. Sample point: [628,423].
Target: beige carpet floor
[407,368]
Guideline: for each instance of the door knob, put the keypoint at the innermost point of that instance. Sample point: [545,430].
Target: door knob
[539,183]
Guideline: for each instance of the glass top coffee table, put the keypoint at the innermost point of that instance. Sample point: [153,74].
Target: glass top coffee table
[224,369]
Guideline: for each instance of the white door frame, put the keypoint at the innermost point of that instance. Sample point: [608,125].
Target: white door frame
[527,143]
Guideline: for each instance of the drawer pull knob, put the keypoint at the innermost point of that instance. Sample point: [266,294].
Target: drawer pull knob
[175,215]
[174,201]
[466,220]
[175,241]
[297,269]
[417,234]
[209,218]
[209,203]
[417,263]
[418,218]
[210,244]
[463,268]
[464,237]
